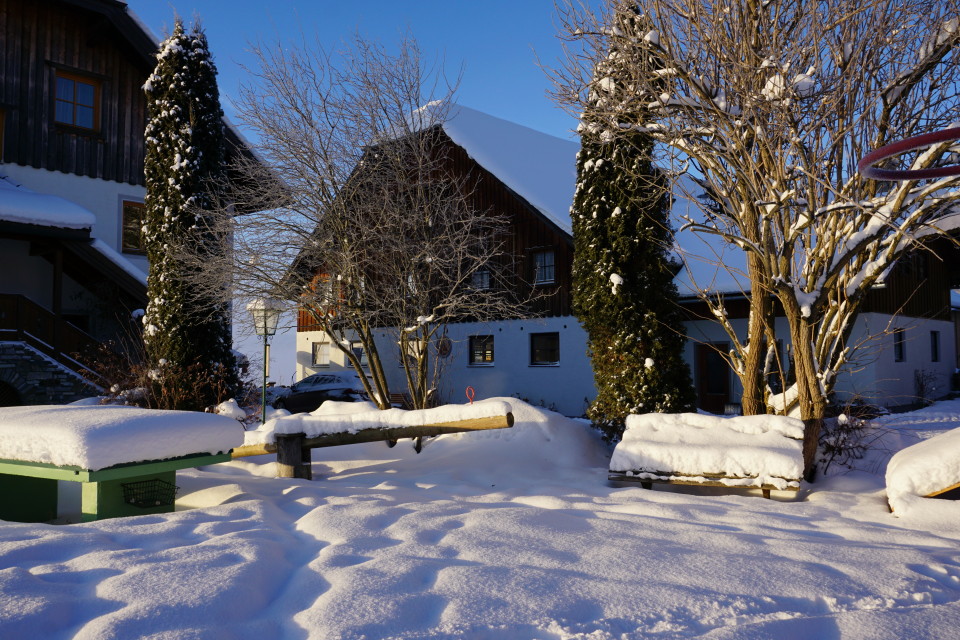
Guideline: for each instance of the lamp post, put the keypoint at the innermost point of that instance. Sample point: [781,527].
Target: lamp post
[266,316]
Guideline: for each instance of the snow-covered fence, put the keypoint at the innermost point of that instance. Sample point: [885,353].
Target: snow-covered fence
[763,452]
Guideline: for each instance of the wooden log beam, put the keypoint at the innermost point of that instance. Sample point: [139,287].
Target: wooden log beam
[387,434]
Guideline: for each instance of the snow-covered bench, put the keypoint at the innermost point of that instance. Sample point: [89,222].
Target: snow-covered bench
[924,470]
[763,452]
[126,457]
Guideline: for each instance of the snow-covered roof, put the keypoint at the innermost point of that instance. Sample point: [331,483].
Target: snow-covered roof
[113,256]
[23,205]
[709,262]
[539,167]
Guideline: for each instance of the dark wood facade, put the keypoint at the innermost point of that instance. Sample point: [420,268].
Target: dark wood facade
[529,231]
[98,41]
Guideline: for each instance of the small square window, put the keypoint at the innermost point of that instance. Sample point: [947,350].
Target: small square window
[545,349]
[543,267]
[481,349]
[899,345]
[480,279]
[934,346]
[321,354]
[132,227]
[76,101]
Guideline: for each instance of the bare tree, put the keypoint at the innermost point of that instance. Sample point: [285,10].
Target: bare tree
[771,105]
[356,215]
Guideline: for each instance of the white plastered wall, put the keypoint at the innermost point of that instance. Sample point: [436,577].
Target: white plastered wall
[103,198]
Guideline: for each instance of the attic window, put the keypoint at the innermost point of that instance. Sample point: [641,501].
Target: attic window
[543,266]
[77,101]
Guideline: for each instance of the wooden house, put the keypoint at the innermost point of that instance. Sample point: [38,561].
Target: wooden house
[529,177]
[72,117]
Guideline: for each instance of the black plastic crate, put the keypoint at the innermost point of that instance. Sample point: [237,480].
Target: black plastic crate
[149,493]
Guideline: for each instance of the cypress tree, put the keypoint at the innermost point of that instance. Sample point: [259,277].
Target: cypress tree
[623,293]
[186,332]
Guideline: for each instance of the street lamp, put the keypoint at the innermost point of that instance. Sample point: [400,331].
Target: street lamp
[266,316]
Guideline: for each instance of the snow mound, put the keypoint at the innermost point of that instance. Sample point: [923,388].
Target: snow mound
[103,436]
[690,444]
[230,409]
[339,407]
[930,466]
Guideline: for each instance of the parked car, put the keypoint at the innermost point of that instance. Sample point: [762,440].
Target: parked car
[314,390]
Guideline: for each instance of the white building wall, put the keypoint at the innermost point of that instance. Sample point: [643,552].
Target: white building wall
[878,378]
[568,387]
[103,198]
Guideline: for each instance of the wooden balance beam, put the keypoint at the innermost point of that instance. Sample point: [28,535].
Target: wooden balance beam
[293,450]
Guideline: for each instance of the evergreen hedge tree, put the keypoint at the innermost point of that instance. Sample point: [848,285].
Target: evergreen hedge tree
[623,291]
[187,335]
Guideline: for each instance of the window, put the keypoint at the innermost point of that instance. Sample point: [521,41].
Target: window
[2,127]
[481,349]
[899,345]
[132,227]
[77,101]
[358,350]
[321,354]
[543,267]
[481,279]
[545,349]
[934,346]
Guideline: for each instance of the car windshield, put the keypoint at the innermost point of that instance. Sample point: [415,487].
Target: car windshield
[324,381]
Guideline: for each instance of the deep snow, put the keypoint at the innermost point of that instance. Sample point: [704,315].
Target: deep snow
[502,534]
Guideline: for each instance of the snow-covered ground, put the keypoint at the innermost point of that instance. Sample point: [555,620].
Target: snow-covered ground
[511,534]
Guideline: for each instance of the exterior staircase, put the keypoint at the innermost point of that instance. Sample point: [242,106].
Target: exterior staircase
[37,349]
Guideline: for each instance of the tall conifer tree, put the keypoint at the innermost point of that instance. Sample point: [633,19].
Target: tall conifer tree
[624,294]
[187,335]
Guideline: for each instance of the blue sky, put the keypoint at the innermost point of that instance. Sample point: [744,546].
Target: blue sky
[497,42]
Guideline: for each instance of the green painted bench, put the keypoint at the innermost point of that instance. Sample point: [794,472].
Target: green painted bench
[29,491]
[125,458]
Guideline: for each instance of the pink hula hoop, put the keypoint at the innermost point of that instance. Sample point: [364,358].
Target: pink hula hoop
[867,170]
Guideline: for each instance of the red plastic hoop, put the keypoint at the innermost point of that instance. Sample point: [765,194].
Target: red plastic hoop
[471,394]
[867,170]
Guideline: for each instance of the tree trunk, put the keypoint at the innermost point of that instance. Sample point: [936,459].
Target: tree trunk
[753,401]
[812,403]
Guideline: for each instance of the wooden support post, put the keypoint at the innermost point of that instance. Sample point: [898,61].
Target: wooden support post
[291,455]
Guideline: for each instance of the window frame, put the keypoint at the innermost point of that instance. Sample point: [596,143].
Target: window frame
[354,346]
[899,345]
[534,361]
[140,250]
[95,83]
[550,268]
[483,345]
[314,352]
[480,280]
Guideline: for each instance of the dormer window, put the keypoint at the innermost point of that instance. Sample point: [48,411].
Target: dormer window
[543,266]
[77,101]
